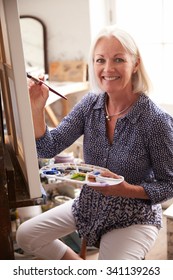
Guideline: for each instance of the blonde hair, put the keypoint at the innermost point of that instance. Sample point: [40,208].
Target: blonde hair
[140,79]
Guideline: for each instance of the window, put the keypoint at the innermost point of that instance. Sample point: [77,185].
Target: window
[150,23]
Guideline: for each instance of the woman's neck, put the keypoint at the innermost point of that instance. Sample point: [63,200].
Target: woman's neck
[117,105]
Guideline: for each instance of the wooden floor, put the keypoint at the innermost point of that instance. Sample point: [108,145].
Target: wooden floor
[158,252]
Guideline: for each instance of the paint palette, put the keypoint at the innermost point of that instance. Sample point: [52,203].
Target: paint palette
[78,173]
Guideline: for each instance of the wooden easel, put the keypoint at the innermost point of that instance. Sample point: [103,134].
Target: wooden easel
[19,180]
[13,193]
[6,251]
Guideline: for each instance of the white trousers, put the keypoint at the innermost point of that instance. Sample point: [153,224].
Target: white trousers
[40,236]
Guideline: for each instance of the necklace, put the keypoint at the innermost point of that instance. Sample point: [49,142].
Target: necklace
[108,117]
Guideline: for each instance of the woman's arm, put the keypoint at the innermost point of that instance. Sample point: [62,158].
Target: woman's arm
[38,98]
[159,187]
[123,189]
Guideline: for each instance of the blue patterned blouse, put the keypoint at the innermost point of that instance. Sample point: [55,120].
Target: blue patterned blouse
[142,152]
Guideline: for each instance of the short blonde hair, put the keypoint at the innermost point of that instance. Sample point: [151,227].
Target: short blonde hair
[140,79]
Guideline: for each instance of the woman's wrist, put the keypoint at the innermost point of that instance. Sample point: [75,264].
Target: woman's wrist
[39,123]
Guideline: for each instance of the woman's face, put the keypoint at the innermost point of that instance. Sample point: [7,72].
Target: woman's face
[113,66]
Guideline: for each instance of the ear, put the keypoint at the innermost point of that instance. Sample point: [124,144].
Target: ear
[136,65]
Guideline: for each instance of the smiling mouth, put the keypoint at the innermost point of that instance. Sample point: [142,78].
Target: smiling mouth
[111,78]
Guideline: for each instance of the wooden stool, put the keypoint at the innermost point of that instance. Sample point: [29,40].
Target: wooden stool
[83,249]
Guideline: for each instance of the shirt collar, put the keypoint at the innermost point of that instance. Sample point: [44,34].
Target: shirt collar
[101,98]
[138,108]
[134,113]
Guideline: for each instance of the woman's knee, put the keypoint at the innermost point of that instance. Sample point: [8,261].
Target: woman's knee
[23,237]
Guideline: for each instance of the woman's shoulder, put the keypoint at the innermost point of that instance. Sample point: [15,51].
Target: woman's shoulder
[157,117]
[87,103]
[92,100]
[156,111]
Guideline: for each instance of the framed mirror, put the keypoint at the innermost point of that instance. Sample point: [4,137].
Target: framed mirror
[33,32]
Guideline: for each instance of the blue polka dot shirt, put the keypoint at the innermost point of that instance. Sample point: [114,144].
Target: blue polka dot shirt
[142,152]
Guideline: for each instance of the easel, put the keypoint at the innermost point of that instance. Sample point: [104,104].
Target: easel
[13,193]
[19,176]
[6,251]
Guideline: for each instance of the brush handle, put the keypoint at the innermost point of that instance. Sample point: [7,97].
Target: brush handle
[39,82]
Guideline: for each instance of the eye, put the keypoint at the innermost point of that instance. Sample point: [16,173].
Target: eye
[100,60]
[119,60]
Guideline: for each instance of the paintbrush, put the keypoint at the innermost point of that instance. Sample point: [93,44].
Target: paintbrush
[40,82]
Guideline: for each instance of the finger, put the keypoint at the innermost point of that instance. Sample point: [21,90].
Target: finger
[109,174]
[41,77]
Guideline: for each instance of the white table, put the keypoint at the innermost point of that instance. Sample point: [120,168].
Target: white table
[65,88]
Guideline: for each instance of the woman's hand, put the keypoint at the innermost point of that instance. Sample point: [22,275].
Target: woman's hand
[38,95]
[109,189]
[123,189]
[108,173]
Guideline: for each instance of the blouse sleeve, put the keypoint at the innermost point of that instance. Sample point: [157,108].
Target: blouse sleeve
[67,132]
[161,156]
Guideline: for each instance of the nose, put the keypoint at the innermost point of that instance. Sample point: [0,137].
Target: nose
[109,66]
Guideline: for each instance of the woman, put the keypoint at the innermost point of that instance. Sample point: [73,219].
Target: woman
[125,132]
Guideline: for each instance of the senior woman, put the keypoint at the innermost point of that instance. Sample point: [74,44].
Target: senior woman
[124,132]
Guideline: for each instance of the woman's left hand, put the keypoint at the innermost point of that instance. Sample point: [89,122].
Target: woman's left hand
[123,189]
[108,189]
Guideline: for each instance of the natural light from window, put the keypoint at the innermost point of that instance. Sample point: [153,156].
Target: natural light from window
[150,22]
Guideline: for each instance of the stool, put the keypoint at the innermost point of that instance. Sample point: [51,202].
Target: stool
[83,249]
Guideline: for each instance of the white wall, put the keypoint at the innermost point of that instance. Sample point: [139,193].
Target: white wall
[99,15]
[68,26]
[168,108]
